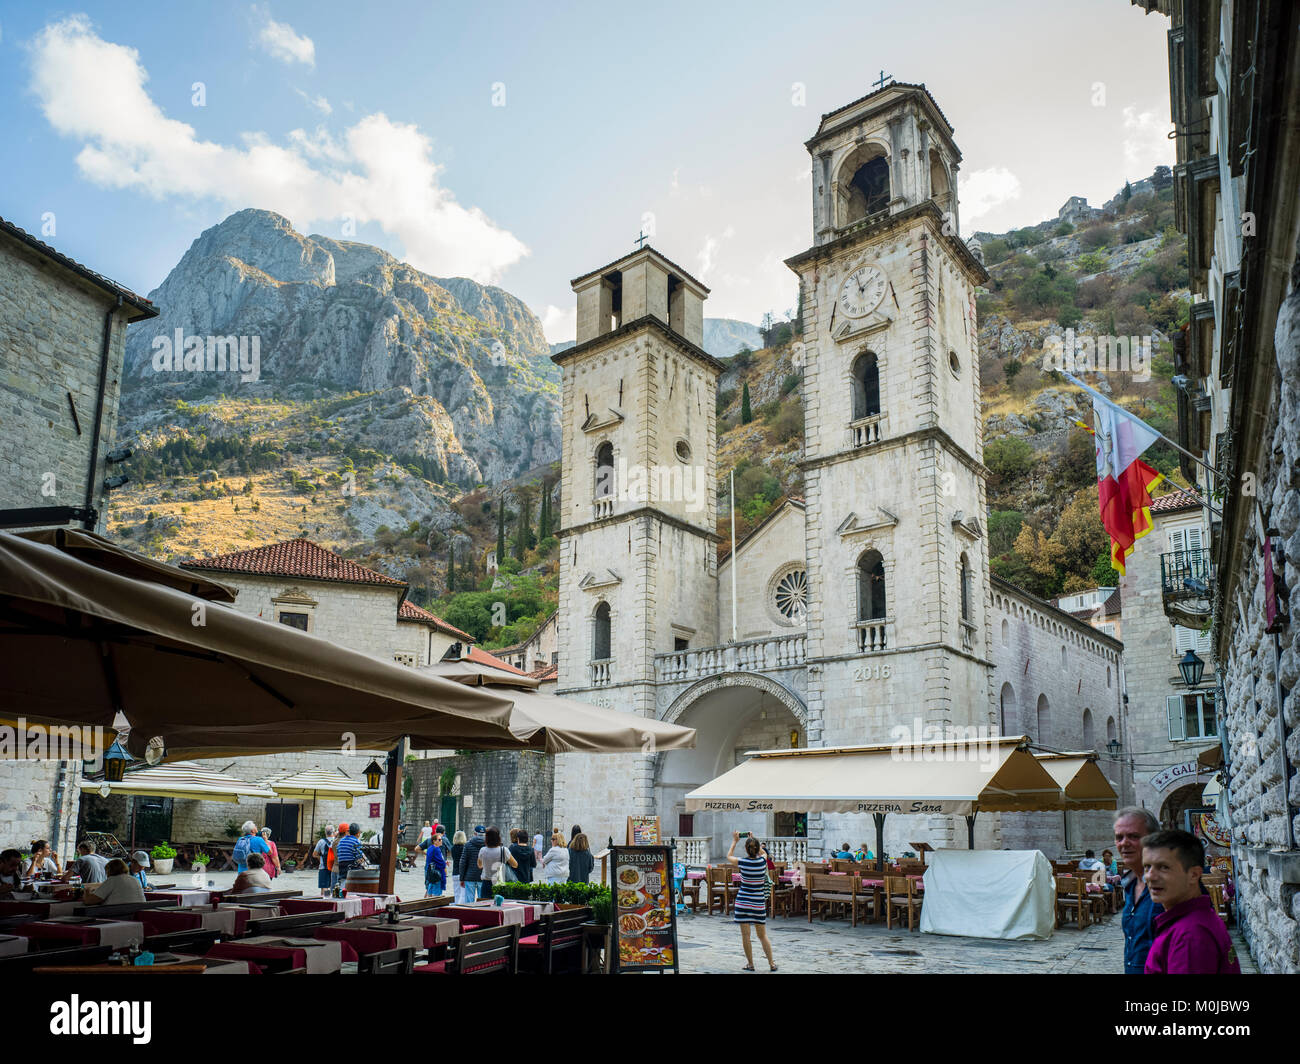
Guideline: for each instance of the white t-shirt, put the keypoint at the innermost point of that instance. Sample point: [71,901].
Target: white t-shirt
[426,832]
[491,856]
[47,865]
[1090,864]
[555,867]
[119,890]
[90,867]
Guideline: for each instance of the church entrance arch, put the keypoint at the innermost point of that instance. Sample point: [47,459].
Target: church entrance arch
[732,714]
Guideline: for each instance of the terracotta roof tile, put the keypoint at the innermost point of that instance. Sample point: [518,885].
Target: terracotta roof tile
[482,657]
[547,672]
[297,557]
[1176,500]
[409,611]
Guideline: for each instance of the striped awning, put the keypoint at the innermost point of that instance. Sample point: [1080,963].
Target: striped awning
[181,779]
[315,783]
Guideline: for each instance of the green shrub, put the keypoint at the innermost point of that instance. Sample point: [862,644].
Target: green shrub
[1092,262]
[995,251]
[162,852]
[1009,457]
[790,383]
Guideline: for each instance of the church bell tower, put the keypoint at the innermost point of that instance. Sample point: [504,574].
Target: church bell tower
[894,478]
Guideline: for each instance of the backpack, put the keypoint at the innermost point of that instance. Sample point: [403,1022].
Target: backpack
[242,849]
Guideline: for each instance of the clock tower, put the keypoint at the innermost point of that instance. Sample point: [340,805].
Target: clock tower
[898,616]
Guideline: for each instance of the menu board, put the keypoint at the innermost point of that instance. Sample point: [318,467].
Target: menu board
[645,916]
[643,831]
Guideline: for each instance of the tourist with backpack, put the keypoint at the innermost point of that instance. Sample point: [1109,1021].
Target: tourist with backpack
[249,842]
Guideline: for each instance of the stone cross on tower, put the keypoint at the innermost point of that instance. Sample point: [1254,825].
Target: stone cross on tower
[884,79]
[641,238]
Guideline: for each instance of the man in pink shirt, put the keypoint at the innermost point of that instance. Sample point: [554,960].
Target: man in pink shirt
[1190,939]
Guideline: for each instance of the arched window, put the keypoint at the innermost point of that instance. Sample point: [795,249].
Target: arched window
[1006,632]
[1089,731]
[863,184]
[871,587]
[605,471]
[600,632]
[1107,675]
[1009,718]
[1063,656]
[940,186]
[967,605]
[1043,736]
[1111,733]
[866,386]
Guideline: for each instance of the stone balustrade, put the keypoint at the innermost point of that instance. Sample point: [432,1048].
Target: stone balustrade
[753,655]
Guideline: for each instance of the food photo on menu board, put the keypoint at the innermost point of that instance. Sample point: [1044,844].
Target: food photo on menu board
[643,895]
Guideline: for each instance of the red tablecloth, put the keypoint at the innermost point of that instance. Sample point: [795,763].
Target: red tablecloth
[161,921]
[182,899]
[102,932]
[369,938]
[352,905]
[320,958]
[487,915]
[243,914]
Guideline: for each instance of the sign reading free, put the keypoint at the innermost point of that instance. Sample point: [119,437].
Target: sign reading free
[1184,773]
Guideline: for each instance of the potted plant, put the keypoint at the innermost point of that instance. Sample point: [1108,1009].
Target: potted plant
[200,860]
[289,864]
[162,857]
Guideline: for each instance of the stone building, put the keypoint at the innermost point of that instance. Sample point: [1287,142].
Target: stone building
[62,341]
[864,611]
[538,651]
[1098,606]
[1075,210]
[1234,84]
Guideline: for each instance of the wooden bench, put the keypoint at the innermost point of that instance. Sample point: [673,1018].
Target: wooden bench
[125,909]
[492,951]
[420,905]
[560,936]
[825,892]
[24,962]
[278,925]
[118,969]
[264,897]
[195,940]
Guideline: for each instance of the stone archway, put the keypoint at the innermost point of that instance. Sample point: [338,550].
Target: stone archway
[732,713]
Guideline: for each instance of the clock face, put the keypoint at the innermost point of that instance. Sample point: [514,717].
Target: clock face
[862,291]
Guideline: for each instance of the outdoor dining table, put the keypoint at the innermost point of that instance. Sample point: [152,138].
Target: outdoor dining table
[244,913]
[86,930]
[42,907]
[12,944]
[318,956]
[380,901]
[214,965]
[486,914]
[371,934]
[183,899]
[161,921]
[352,905]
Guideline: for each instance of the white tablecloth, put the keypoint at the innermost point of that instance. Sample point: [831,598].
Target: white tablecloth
[11,944]
[184,899]
[120,932]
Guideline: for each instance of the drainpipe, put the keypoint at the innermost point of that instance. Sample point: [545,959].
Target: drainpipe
[99,412]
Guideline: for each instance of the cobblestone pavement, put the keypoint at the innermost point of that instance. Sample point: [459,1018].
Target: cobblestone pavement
[711,944]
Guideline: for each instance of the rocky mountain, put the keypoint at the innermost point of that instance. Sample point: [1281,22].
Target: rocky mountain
[452,373]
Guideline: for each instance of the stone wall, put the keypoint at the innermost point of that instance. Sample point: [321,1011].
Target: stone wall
[506,789]
[39,800]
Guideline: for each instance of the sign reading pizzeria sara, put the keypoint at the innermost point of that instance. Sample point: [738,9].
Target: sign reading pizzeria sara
[645,911]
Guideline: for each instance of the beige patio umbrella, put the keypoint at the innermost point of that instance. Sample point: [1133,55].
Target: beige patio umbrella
[315,782]
[558,725]
[1082,784]
[180,779]
[79,642]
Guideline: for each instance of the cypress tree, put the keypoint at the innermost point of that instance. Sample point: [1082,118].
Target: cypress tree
[451,565]
[544,517]
[501,528]
[521,541]
[746,414]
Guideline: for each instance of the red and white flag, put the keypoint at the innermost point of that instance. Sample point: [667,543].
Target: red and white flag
[1124,481]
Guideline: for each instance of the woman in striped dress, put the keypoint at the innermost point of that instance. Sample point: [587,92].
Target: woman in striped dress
[751,899]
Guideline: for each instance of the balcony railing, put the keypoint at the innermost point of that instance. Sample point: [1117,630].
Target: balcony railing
[603,507]
[695,849]
[967,636]
[602,672]
[866,430]
[753,655]
[875,635]
[1187,586]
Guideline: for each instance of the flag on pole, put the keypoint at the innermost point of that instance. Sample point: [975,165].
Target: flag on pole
[1124,481]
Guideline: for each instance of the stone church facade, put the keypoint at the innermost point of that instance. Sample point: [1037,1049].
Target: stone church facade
[862,608]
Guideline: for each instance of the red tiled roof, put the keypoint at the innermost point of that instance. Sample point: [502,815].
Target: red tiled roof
[409,611]
[1175,500]
[548,672]
[146,308]
[482,657]
[297,557]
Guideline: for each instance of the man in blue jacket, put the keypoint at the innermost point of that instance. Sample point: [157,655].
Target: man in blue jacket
[1138,917]
[435,867]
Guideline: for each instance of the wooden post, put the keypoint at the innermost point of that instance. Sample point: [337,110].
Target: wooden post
[392,809]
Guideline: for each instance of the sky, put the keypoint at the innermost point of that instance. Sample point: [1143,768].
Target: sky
[525,144]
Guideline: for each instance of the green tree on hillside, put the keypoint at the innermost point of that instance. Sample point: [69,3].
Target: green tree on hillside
[746,414]
[451,565]
[501,527]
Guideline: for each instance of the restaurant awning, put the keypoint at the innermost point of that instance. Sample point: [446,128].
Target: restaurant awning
[316,783]
[180,779]
[955,777]
[79,642]
[1082,784]
[559,725]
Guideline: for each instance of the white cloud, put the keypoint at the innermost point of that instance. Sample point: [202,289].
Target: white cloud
[1146,141]
[708,254]
[380,171]
[319,102]
[559,325]
[984,190]
[279,40]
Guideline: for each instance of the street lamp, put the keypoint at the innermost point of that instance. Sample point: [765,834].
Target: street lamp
[373,772]
[115,759]
[1192,668]
[1113,748]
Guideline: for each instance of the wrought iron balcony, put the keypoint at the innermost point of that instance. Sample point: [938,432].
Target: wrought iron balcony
[1187,586]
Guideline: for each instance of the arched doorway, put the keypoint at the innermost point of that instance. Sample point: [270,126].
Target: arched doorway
[732,714]
[1184,798]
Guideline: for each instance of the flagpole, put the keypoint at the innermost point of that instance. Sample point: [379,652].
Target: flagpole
[1177,447]
[734,558]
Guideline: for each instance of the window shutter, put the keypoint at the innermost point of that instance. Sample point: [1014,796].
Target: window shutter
[1177,539]
[1174,710]
[1193,538]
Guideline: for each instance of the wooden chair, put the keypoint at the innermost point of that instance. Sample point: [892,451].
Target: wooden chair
[692,889]
[195,941]
[424,905]
[263,897]
[1217,896]
[718,879]
[1071,898]
[387,962]
[492,951]
[825,892]
[117,969]
[908,867]
[560,939]
[126,909]
[901,896]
